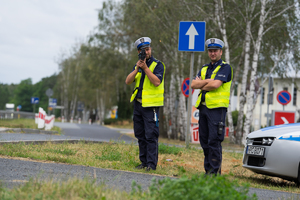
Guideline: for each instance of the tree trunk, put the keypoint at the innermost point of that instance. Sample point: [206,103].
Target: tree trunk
[251,95]
[239,133]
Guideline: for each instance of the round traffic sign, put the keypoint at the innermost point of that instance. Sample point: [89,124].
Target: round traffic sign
[284,97]
[49,92]
[185,87]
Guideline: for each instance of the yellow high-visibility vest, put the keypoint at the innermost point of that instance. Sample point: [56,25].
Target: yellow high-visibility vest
[219,97]
[152,96]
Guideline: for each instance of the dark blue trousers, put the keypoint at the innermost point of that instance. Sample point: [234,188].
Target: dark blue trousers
[210,139]
[146,131]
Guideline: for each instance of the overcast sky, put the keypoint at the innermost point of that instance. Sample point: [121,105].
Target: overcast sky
[33,33]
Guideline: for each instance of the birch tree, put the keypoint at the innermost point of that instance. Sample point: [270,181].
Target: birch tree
[265,17]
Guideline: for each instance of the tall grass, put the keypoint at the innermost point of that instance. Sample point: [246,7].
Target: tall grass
[18,123]
[198,187]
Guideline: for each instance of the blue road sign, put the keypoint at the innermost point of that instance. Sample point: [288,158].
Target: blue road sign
[52,102]
[34,100]
[191,36]
[80,106]
[284,97]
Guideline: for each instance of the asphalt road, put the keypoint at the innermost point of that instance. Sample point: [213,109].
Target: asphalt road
[95,132]
[14,172]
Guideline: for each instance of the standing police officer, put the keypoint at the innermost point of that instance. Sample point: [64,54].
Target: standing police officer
[148,96]
[214,80]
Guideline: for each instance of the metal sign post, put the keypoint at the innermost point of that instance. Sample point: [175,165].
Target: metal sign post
[191,38]
[187,136]
[270,97]
[49,93]
[34,100]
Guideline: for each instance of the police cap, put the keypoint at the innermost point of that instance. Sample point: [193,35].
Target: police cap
[214,43]
[142,42]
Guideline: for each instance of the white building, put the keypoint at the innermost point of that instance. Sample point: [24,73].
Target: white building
[292,85]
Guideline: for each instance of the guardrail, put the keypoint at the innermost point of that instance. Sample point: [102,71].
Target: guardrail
[4,114]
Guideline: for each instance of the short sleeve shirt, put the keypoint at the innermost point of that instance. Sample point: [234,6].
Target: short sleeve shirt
[224,74]
[158,71]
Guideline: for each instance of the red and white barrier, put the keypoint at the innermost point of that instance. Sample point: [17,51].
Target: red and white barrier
[79,120]
[49,121]
[62,119]
[71,120]
[41,120]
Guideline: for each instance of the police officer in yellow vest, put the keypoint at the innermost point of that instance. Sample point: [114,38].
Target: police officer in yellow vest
[147,96]
[214,81]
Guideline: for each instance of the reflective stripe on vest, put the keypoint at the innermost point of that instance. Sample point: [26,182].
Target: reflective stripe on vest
[152,96]
[216,98]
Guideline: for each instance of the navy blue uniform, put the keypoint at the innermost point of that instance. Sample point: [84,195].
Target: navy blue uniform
[145,127]
[209,120]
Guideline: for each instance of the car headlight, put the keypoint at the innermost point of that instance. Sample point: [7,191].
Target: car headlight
[249,141]
[267,141]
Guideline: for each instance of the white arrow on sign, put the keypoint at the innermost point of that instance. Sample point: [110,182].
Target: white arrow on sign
[284,120]
[192,32]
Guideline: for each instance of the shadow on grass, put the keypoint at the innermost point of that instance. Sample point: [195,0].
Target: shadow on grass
[268,181]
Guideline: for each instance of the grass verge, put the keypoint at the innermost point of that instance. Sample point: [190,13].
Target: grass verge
[24,123]
[173,161]
[198,187]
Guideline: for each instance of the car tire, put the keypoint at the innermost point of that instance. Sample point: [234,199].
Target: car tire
[298,178]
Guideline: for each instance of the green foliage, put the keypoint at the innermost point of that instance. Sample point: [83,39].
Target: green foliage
[165,149]
[109,121]
[40,88]
[198,187]
[5,95]
[23,94]
[235,115]
[125,108]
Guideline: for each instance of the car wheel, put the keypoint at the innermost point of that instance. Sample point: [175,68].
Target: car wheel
[298,179]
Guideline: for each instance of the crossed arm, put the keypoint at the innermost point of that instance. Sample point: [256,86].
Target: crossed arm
[207,84]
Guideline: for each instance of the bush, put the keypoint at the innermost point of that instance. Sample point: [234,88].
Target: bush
[235,115]
[198,187]
[110,121]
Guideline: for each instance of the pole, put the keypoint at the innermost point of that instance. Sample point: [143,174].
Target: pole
[268,101]
[187,135]
[261,99]
[48,106]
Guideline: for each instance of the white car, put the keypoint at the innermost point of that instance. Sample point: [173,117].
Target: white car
[274,151]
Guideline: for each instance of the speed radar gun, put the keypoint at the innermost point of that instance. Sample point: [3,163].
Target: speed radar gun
[142,54]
